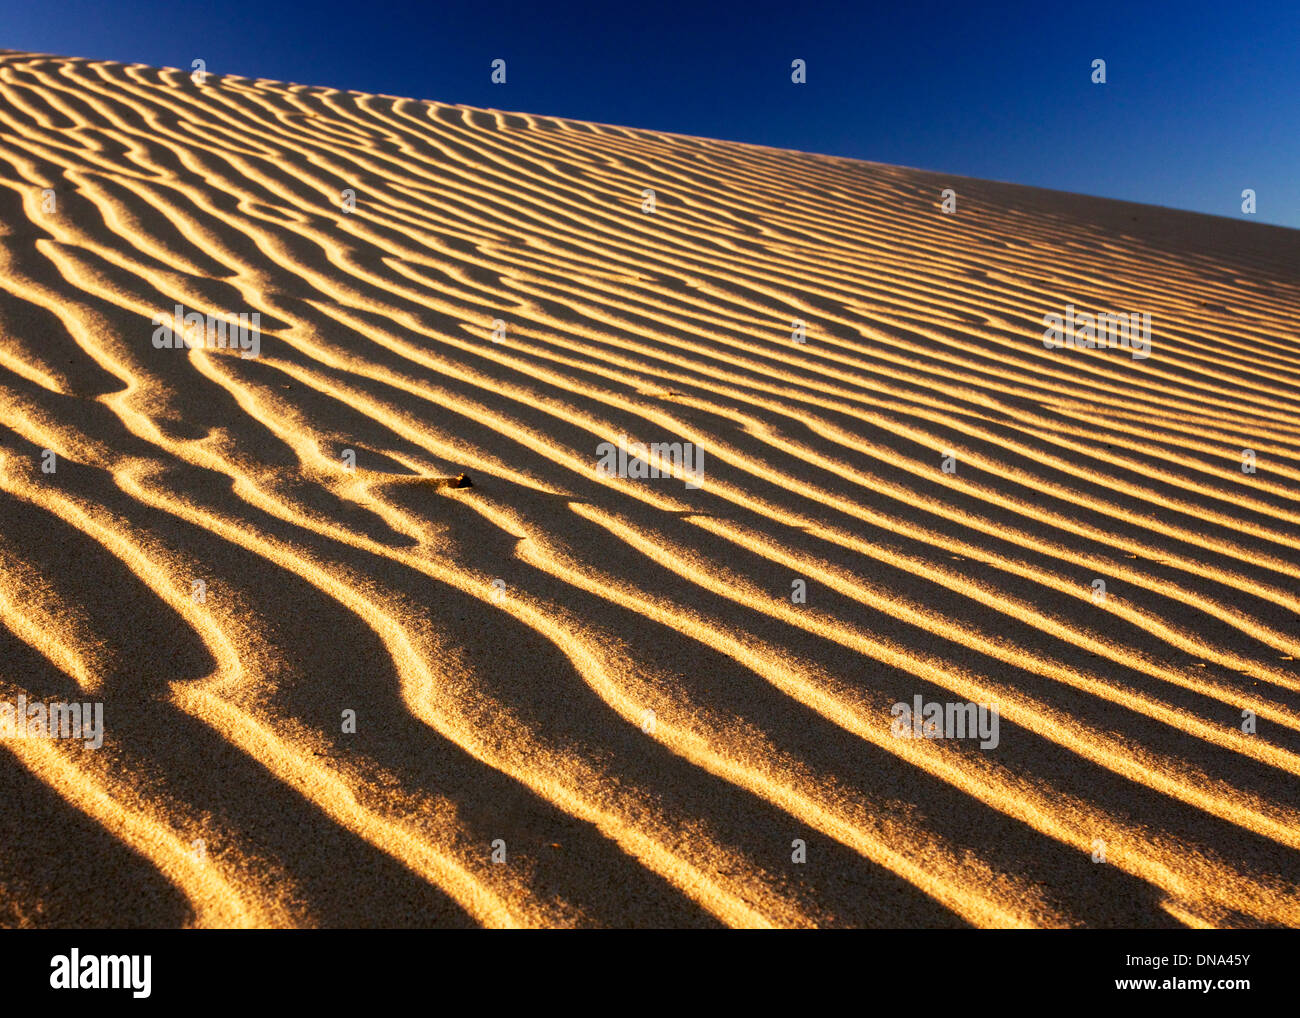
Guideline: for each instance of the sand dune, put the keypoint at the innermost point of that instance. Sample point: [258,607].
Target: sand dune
[613,681]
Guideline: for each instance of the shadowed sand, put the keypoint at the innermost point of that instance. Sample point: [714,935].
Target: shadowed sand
[610,674]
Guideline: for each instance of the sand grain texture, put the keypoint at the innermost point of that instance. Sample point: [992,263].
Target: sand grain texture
[504,642]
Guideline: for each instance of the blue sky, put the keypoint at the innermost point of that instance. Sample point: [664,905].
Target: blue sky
[1200,102]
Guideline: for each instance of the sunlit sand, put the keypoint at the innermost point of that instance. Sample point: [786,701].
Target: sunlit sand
[384,638]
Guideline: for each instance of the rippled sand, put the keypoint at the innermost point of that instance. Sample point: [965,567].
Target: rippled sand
[611,681]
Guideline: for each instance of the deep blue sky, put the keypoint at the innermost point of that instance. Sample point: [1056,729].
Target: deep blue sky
[1201,101]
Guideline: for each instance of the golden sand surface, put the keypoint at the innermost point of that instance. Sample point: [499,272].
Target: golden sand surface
[590,700]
